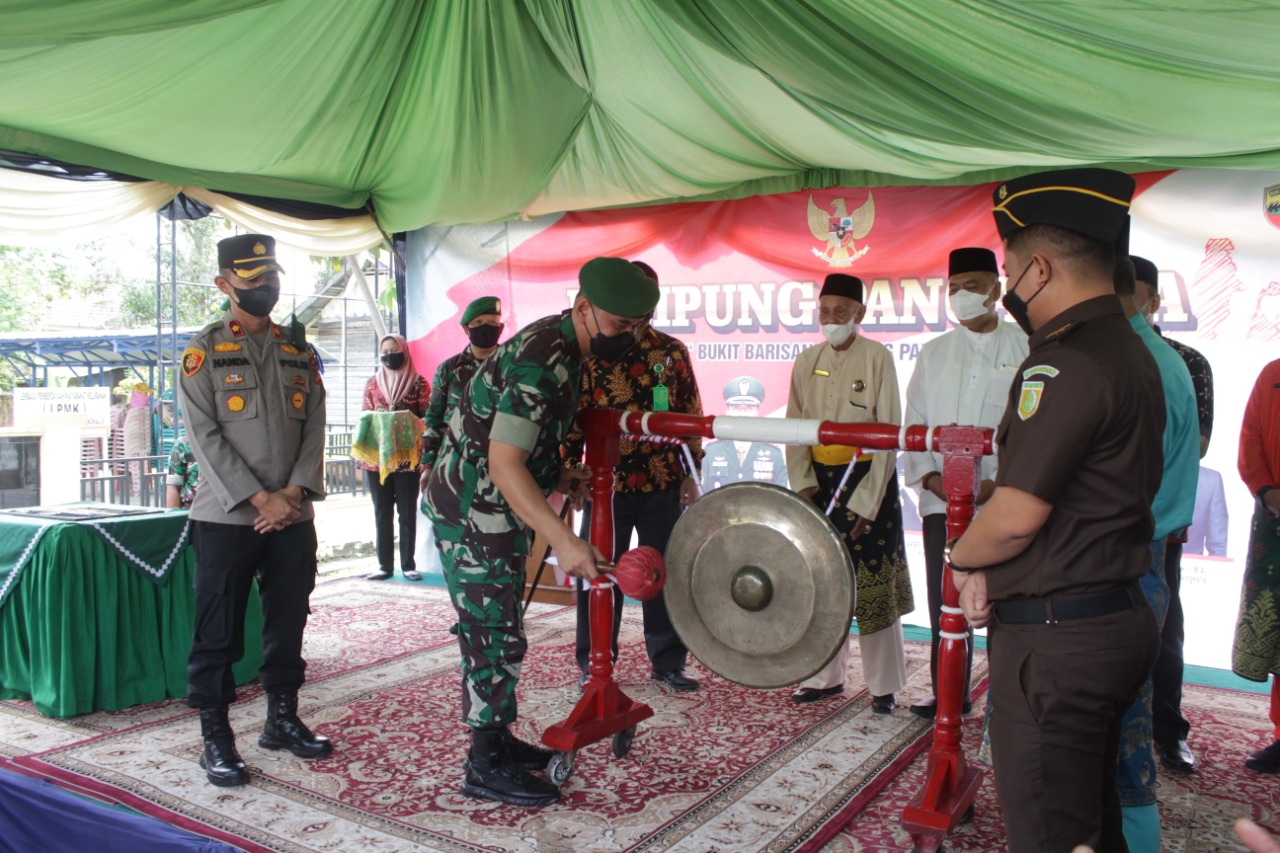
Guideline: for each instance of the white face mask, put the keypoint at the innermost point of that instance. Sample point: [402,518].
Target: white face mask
[967,305]
[838,334]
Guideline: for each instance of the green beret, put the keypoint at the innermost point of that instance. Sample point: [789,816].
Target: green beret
[483,305]
[618,286]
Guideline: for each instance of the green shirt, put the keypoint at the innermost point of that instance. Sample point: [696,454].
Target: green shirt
[525,394]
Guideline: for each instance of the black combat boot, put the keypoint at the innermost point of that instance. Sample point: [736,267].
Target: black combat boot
[491,774]
[283,729]
[526,756]
[221,763]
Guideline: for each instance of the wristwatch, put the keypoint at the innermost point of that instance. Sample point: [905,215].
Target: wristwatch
[946,556]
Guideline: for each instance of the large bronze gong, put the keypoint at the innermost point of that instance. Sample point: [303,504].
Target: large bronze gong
[759,585]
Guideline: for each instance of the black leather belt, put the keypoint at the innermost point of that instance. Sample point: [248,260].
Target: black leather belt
[1027,611]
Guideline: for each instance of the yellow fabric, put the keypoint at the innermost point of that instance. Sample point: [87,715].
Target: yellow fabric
[838,454]
[390,440]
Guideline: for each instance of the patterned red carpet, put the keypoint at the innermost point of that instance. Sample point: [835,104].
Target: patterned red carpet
[1196,811]
[721,769]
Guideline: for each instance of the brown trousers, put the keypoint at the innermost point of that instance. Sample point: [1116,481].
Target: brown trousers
[1059,694]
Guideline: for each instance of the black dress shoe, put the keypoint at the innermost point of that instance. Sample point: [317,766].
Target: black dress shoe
[883,704]
[411,575]
[676,679]
[1266,760]
[805,695]
[1176,756]
[377,576]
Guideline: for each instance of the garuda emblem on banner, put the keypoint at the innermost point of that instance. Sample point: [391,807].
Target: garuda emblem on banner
[1271,203]
[838,229]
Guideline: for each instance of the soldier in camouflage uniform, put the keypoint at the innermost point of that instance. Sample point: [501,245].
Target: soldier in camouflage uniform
[482,320]
[487,495]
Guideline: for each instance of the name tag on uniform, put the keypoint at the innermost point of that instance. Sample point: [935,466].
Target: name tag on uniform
[818,371]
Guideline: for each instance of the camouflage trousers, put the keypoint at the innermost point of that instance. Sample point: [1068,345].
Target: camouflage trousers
[485,590]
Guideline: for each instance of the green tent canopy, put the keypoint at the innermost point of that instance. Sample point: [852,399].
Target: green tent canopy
[473,111]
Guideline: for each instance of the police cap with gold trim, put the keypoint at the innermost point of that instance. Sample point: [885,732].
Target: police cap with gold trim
[1092,202]
[618,286]
[248,255]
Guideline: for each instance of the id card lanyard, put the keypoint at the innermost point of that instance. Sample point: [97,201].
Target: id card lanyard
[661,399]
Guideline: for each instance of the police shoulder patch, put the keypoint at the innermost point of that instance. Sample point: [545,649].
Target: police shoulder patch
[192,360]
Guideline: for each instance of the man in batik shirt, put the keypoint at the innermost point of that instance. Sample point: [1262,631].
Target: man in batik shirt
[651,484]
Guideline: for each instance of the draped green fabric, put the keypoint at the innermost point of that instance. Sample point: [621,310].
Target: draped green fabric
[467,111]
[84,629]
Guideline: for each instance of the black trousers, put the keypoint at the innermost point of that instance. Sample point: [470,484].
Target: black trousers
[935,546]
[399,494]
[1166,679]
[652,515]
[228,557]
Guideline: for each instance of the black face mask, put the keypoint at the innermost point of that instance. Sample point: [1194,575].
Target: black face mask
[1017,306]
[257,302]
[393,360]
[610,348]
[485,336]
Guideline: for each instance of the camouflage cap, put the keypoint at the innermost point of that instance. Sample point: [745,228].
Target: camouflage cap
[618,286]
[481,306]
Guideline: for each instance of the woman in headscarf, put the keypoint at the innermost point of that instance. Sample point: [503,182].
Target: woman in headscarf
[397,386]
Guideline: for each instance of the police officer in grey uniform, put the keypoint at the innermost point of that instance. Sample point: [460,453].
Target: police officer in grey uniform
[254,405]
[736,461]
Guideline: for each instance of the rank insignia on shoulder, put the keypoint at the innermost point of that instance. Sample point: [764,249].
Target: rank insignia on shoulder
[237,330]
[233,379]
[298,399]
[235,403]
[818,371]
[289,349]
[227,346]
[192,361]
[1029,400]
[859,386]
[1040,370]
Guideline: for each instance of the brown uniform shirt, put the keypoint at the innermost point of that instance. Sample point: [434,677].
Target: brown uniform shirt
[1083,431]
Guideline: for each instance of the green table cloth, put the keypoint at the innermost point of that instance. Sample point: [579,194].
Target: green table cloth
[98,615]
